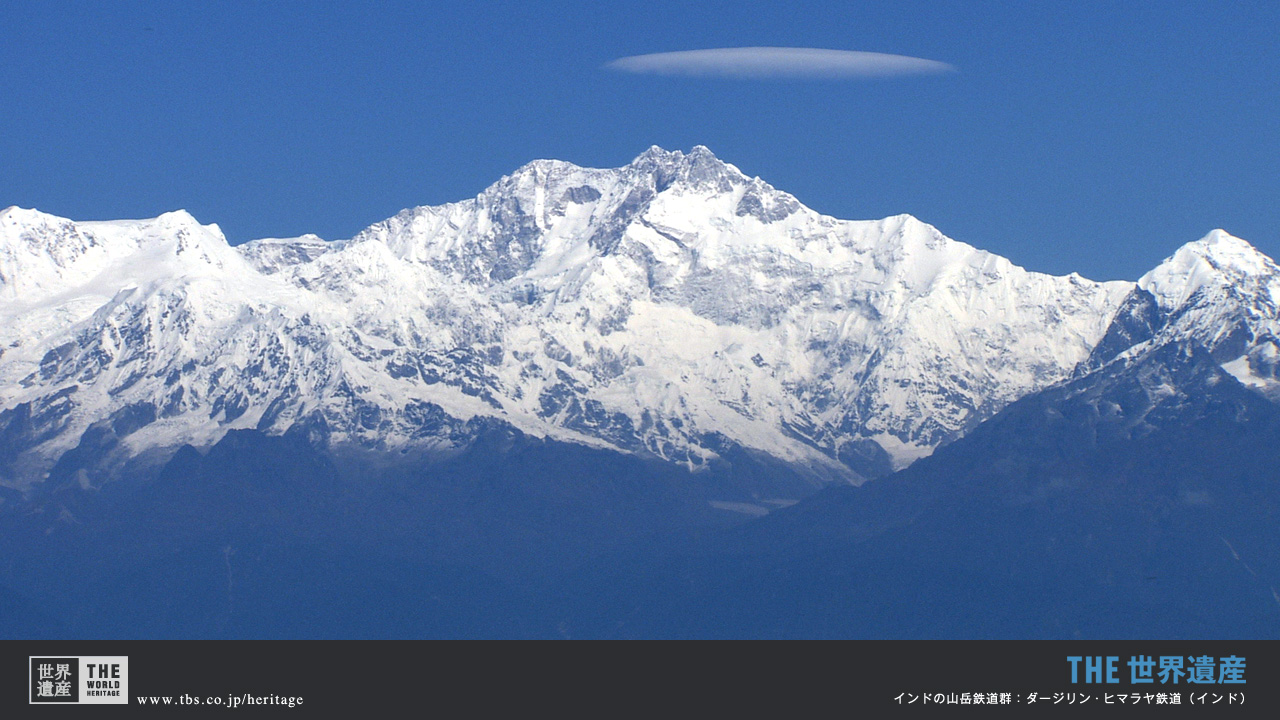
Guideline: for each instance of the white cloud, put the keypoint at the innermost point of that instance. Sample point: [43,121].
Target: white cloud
[778,63]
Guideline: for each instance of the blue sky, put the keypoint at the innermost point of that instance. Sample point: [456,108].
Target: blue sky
[1087,136]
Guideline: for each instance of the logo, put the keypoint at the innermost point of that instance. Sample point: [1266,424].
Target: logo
[92,680]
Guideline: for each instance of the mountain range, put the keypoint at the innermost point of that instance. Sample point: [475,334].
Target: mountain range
[563,403]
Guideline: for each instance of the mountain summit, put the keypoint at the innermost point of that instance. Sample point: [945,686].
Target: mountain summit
[1219,293]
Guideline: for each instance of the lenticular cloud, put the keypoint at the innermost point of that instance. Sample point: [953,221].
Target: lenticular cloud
[778,63]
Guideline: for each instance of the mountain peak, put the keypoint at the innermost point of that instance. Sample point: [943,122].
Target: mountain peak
[660,155]
[17,216]
[1224,248]
[177,217]
[1219,259]
[657,153]
[699,167]
[656,168]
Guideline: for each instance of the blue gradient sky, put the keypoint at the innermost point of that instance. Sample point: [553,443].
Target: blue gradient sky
[1091,136]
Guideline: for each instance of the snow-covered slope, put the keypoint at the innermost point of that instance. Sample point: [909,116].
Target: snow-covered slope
[673,307]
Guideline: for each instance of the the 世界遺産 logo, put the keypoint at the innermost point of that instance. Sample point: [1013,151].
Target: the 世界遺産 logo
[91,680]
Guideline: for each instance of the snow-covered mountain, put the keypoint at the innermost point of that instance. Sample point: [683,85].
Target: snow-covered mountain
[1218,293]
[672,308]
